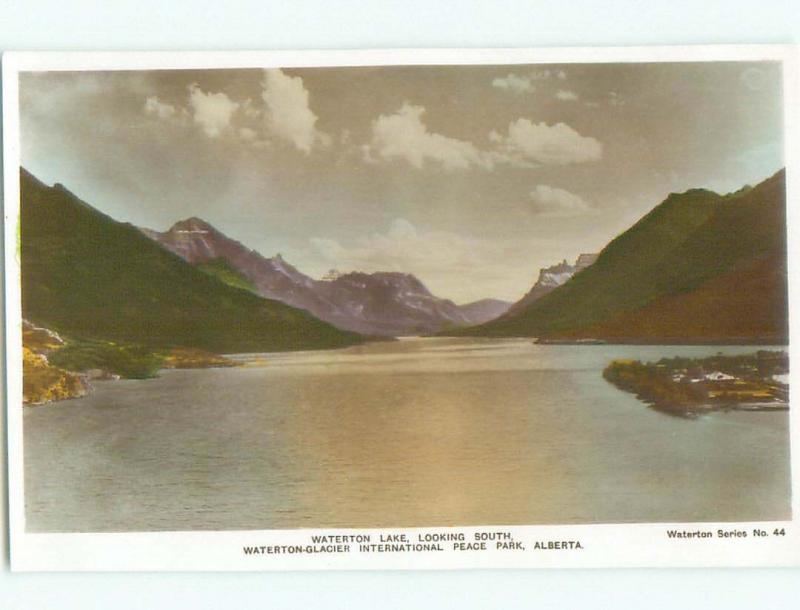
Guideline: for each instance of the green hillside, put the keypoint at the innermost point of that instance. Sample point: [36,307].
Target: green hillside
[88,276]
[684,242]
[222,270]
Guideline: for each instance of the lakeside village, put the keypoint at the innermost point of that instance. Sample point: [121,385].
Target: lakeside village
[691,386]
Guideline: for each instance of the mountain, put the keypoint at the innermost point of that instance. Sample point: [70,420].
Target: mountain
[379,303]
[551,278]
[484,310]
[388,303]
[88,276]
[699,268]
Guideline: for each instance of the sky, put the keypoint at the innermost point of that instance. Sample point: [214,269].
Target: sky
[470,177]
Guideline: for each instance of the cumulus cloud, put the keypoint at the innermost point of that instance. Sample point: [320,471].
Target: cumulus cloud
[250,110]
[557,144]
[566,95]
[211,111]
[403,247]
[512,82]
[553,201]
[154,106]
[288,113]
[435,257]
[403,135]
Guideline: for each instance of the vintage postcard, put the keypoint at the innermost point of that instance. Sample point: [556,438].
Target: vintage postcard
[401,309]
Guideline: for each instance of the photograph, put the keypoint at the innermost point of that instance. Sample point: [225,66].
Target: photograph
[274,297]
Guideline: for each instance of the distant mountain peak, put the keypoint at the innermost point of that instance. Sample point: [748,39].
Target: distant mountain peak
[192,224]
[377,303]
[698,268]
[551,278]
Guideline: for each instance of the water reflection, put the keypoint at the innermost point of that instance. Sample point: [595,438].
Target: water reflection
[427,432]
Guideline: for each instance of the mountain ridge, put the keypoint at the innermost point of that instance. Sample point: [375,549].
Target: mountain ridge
[89,276]
[384,303]
[675,249]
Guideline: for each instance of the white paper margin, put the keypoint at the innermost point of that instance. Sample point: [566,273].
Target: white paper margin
[625,545]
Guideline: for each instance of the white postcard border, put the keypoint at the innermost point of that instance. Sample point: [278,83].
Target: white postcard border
[612,545]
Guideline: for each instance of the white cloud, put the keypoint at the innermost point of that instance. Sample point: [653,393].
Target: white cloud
[557,144]
[403,135]
[441,259]
[566,95]
[436,257]
[154,106]
[288,113]
[512,82]
[553,201]
[250,110]
[212,111]
[402,248]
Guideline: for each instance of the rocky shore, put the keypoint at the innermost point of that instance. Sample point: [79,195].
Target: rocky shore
[56,369]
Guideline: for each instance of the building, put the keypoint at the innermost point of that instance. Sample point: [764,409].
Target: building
[718,376]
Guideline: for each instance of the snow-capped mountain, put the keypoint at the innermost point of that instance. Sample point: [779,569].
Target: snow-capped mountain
[379,303]
[551,278]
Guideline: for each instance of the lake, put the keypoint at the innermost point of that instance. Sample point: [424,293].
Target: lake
[416,432]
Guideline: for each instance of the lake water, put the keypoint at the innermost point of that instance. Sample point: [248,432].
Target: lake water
[418,432]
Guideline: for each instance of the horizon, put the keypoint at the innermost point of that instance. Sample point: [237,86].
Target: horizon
[392,171]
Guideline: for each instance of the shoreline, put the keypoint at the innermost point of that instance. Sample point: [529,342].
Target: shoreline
[690,387]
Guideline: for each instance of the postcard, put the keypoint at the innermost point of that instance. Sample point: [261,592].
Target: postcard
[417,309]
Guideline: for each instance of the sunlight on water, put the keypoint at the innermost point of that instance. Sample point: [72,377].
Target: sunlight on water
[417,432]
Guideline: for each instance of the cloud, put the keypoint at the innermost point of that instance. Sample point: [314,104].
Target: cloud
[247,134]
[405,248]
[250,110]
[288,114]
[403,135]
[566,95]
[212,111]
[512,82]
[154,106]
[402,248]
[754,79]
[557,144]
[553,201]
[437,258]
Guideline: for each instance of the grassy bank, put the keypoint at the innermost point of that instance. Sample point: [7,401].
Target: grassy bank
[55,368]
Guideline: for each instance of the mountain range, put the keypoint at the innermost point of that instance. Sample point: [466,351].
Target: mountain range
[381,303]
[88,276]
[549,279]
[699,268]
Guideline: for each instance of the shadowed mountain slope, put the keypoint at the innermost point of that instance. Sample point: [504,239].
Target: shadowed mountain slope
[700,267]
[86,275]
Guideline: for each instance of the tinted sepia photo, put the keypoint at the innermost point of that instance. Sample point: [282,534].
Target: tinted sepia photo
[403,296]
